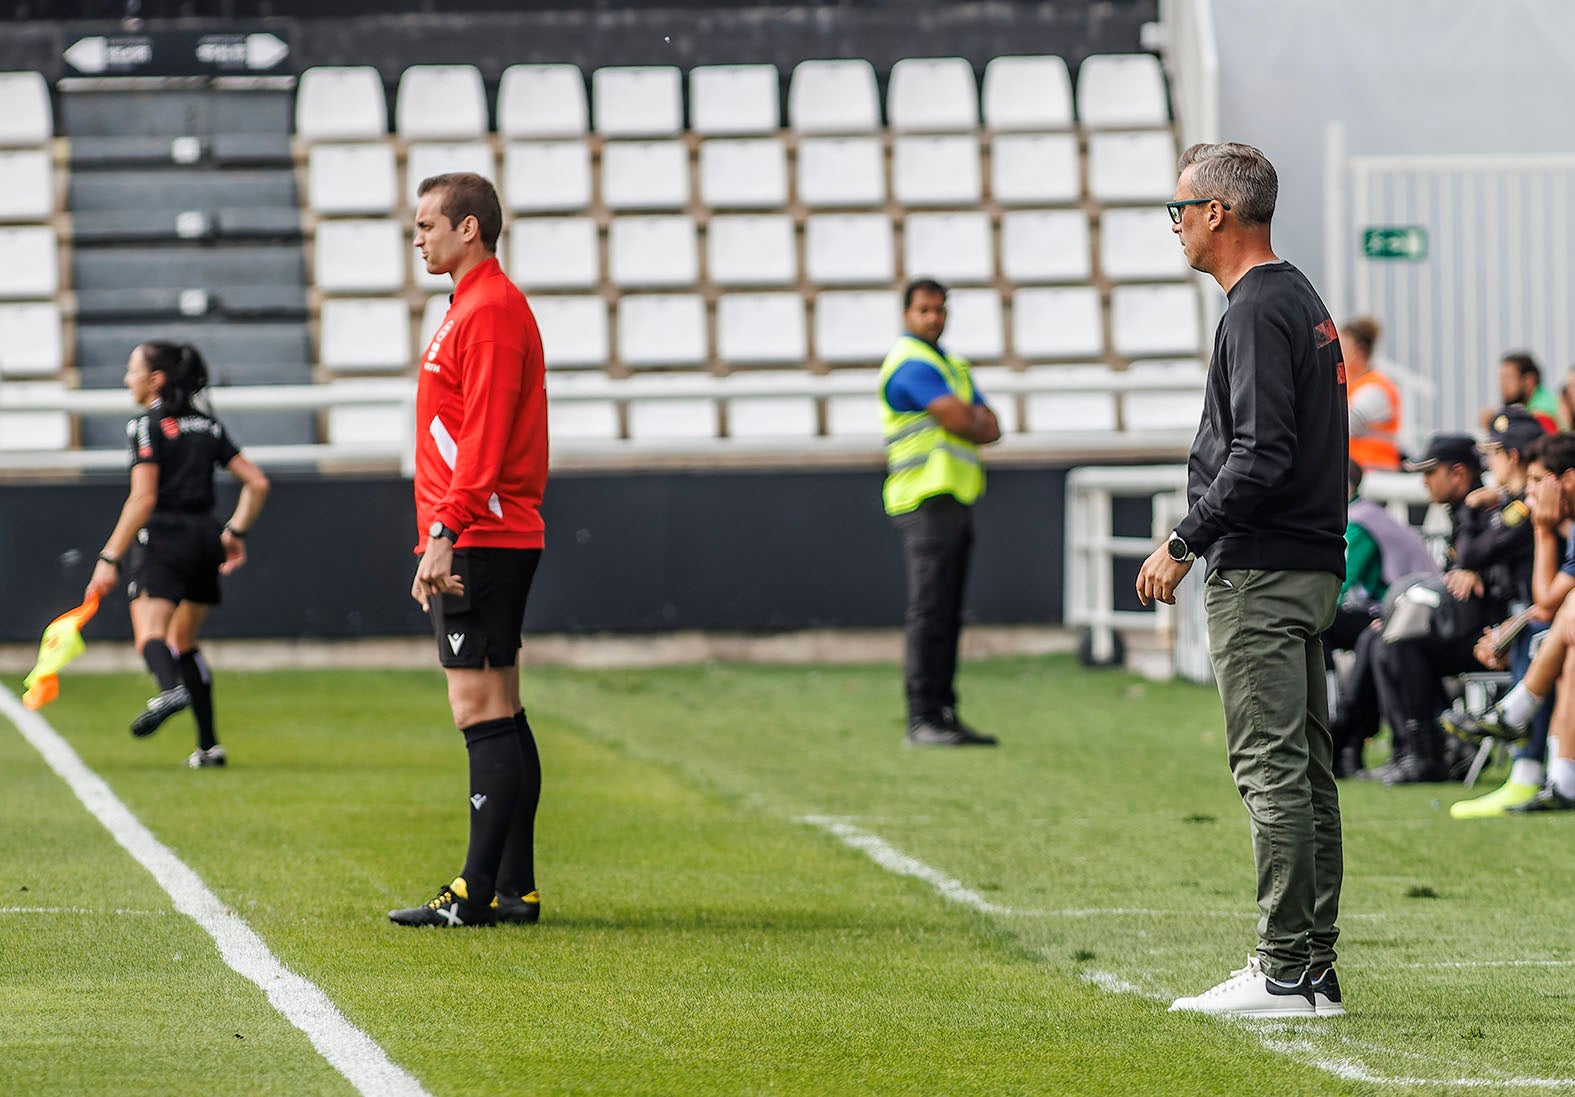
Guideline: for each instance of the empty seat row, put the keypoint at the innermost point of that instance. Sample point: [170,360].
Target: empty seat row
[441,102]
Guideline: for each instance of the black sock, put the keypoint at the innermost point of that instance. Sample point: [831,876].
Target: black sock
[517,870]
[495,765]
[199,683]
[161,663]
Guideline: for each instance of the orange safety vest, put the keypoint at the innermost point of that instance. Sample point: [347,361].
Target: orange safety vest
[1377,450]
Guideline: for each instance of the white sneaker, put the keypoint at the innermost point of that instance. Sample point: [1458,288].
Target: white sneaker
[213,756]
[1251,993]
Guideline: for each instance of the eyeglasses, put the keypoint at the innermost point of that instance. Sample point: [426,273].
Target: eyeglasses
[1175,208]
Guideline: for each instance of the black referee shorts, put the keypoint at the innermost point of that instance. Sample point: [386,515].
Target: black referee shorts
[177,558]
[481,628]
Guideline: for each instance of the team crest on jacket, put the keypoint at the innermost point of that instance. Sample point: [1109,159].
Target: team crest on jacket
[1325,333]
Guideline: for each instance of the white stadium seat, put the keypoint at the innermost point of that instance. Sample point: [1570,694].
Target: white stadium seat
[662,329]
[573,331]
[1121,91]
[761,329]
[856,325]
[364,334]
[932,95]
[27,119]
[34,430]
[1167,409]
[645,175]
[546,176]
[751,250]
[554,253]
[352,178]
[368,424]
[1035,169]
[848,249]
[425,160]
[32,262]
[935,171]
[637,101]
[30,340]
[27,185]
[856,415]
[653,251]
[360,256]
[986,380]
[841,171]
[1027,93]
[1070,412]
[734,99]
[1045,246]
[952,247]
[747,173]
[1057,323]
[542,101]
[432,318]
[340,104]
[771,417]
[1155,320]
[1131,167]
[679,418]
[579,420]
[441,103]
[1137,245]
[973,325]
[833,97]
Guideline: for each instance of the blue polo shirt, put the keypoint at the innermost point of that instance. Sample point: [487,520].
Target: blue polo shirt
[913,385]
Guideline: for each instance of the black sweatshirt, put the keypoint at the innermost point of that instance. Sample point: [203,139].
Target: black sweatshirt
[1266,478]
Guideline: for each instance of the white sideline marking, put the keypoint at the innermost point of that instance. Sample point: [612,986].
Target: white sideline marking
[893,860]
[1493,963]
[73,910]
[351,1052]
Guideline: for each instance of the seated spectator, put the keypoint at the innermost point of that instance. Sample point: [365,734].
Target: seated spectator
[1372,398]
[1520,384]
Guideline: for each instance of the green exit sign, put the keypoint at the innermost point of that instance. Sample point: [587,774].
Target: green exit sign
[1398,242]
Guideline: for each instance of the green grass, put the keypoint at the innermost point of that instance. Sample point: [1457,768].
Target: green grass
[698,938]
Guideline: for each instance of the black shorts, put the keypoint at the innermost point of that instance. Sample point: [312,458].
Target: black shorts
[481,628]
[177,557]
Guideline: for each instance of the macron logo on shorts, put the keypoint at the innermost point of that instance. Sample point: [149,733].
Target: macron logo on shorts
[456,640]
[477,800]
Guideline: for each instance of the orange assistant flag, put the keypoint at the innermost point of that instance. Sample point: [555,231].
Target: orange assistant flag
[62,643]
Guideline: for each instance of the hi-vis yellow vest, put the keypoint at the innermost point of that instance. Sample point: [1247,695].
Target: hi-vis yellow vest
[922,459]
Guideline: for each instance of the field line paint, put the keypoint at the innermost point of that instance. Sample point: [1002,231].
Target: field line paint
[73,910]
[893,860]
[351,1052]
[1491,963]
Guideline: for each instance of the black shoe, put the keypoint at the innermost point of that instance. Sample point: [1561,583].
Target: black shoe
[159,709]
[949,718]
[517,909]
[1474,729]
[1326,994]
[1549,799]
[1348,760]
[450,909]
[928,733]
[1414,770]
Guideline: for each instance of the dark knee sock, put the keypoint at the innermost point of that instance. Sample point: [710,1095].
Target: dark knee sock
[495,763]
[161,663]
[199,683]
[517,871]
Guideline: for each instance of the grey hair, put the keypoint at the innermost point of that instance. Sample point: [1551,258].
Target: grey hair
[1236,174]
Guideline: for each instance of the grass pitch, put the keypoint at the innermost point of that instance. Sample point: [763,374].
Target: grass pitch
[700,937]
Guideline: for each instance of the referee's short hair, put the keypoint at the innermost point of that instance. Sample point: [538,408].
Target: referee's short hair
[1236,174]
[466,194]
[921,285]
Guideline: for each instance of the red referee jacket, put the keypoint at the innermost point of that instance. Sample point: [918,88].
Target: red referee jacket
[481,418]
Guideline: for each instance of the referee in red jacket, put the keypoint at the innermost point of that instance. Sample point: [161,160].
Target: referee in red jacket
[481,468]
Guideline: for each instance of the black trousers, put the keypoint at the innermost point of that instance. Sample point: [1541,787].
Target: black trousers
[1410,675]
[937,541]
[1356,715]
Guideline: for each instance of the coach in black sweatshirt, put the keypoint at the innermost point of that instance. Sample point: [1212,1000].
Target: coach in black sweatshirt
[1267,493]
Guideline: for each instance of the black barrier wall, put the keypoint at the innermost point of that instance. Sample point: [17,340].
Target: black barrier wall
[722,550]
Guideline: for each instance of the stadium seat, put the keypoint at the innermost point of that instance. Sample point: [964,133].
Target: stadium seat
[1155,321]
[441,103]
[352,178]
[932,95]
[30,340]
[341,104]
[856,325]
[546,176]
[1045,246]
[1057,323]
[1027,93]
[751,250]
[676,418]
[645,175]
[747,173]
[554,253]
[833,97]
[360,256]
[935,171]
[379,425]
[582,420]
[542,101]
[986,380]
[653,251]
[32,262]
[1117,91]
[34,430]
[1035,169]
[637,101]
[1138,245]
[856,415]
[364,335]
[953,247]
[1069,412]
[841,171]
[428,159]
[973,325]
[27,185]
[573,330]
[734,99]
[1167,409]
[761,329]
[848,249]
[1131,167]
[27,119]
[432,318]
[771,417]
[662,329]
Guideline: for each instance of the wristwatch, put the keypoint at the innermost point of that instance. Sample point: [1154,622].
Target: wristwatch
[438,529]
[1178,549]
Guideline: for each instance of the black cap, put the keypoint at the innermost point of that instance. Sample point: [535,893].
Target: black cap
[1447,449]
[1514,428]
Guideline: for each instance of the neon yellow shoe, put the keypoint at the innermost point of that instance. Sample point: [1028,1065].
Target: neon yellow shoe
[1496,803]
